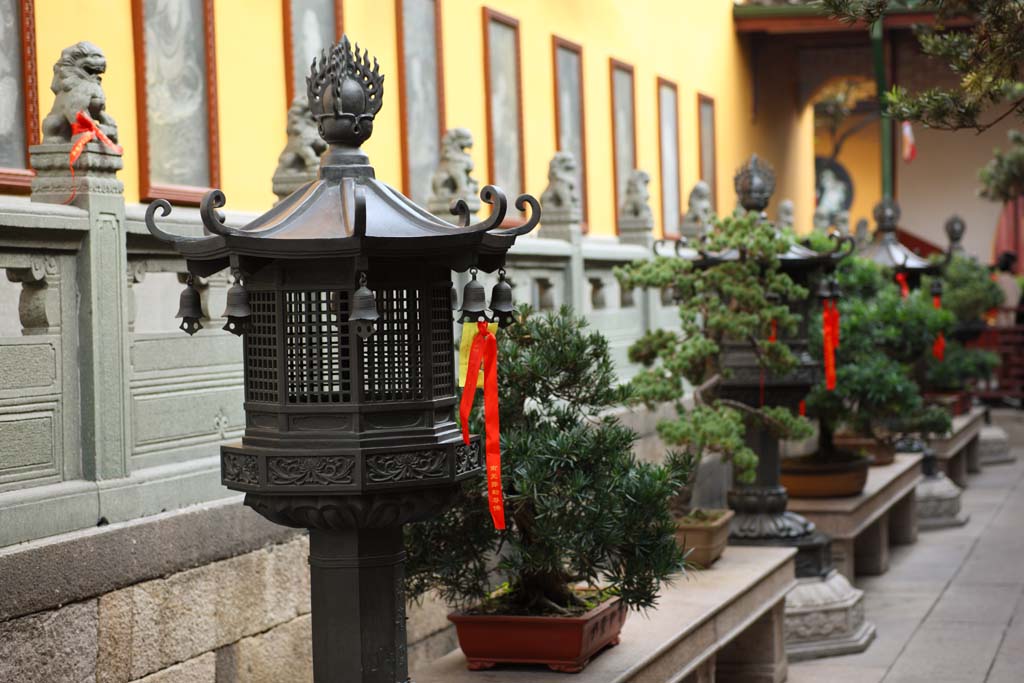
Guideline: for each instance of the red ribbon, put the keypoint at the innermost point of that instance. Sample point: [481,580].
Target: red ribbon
[803,408]
[830,340]
[901,279]
[773,336]
[87,128]
[939,345]
[485,349]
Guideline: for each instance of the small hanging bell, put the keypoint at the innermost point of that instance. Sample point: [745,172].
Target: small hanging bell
[237,310]
[474,301]
[936,287]
[501,301]
[190,310]
[364,309]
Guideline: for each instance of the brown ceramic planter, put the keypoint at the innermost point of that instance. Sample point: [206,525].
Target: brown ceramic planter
[562,643]
[814,476]
[956,402]
[881,453]
[705,541]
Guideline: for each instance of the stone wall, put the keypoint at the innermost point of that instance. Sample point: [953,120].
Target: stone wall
[244,619]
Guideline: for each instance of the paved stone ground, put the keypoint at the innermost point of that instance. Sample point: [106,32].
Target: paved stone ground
[951,607]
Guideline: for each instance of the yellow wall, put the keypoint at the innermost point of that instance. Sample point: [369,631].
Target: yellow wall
[861,155]
[692,43]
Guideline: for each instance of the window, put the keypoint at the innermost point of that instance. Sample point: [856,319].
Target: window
[706,138]
[668,141]
[19,107]
[421,79]
[309,27]
[176,91]
[505,166]
[569,125]
[623,128]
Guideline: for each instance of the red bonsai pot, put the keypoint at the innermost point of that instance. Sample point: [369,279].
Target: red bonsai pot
[562,643]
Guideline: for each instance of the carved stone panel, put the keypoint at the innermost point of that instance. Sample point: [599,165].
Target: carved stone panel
[311,470]
[241,469]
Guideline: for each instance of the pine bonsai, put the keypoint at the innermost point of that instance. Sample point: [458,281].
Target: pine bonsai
[883,339]
[741,299]
[1002,178]
[580,508]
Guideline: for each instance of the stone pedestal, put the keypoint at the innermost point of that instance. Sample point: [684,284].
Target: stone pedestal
[938,503]
[564,224]
[284,183]
[994,446]
[637,230]
[825,617]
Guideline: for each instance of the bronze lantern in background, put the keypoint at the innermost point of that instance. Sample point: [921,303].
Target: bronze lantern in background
[343,295]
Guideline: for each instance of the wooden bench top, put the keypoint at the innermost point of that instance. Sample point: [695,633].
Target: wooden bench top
[696,616]
[848,516]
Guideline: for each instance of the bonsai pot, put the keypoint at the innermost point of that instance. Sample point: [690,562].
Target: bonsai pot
[562,643]
[957,402]
[881,453]
[825,476]
[704,538]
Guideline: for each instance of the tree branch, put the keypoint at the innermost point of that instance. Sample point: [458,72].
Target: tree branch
[744,408]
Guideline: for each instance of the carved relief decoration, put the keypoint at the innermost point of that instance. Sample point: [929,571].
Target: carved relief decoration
[467,457]
[310,470]
[242,469]
[412,466]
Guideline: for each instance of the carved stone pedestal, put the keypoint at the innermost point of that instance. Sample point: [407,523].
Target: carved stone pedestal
[938,503]
[825,617]
[994,446]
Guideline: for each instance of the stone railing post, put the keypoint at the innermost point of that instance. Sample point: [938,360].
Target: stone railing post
[102,260]
[562,218]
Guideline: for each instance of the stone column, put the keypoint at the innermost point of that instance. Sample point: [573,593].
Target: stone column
[562,219]
[102,286]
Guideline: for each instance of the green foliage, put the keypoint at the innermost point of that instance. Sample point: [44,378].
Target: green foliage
[959,367]
[884,341]
[1002,178]
[736,299]
[986,56]
[579,506]
[968,290]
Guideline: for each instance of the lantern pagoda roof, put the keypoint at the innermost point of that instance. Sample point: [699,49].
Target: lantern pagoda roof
[886,250]
[347,211]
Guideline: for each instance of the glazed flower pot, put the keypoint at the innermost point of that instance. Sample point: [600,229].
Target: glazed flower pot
[562,643]
[880,452]
[704,539]
[818,476]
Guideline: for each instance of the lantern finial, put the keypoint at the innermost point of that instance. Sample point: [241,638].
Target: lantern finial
[345,92]
[754,183]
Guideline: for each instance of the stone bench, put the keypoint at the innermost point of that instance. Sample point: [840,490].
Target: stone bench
[862,527]
[957,452]
[723,624]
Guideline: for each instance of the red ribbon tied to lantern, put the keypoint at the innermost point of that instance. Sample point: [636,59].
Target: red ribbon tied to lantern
[89,131]
[901,280]
[939,345]
[830,340]
[773,336]
[485,350]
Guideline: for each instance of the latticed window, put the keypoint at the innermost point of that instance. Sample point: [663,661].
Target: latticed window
[317,360]
[393,357]
[261,348]
[442,354]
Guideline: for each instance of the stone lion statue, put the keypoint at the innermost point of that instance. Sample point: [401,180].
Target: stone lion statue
[453,177]
[302,152]
[636,202]
[561,192]
[698,210]
[76,85]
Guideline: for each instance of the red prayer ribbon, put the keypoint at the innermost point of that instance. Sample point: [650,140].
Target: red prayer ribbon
[485,350]
[773,336]
[939,345]
[830,340]
[803,408]
[89,131]
[901,279]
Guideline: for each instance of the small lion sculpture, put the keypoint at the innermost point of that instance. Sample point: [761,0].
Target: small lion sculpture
[453,178]
[302,152]
[561,192]
[76,86]
[636,202]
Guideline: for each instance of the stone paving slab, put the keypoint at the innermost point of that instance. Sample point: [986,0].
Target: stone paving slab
[951,607]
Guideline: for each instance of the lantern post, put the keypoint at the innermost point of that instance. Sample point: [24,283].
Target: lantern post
[343,295]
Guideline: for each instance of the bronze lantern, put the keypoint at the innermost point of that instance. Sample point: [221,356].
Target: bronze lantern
[343,295]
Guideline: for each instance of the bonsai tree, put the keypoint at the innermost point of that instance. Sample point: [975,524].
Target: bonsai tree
[579,507]
[742,299]
[968,291]
[1002,178]
[883,339]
